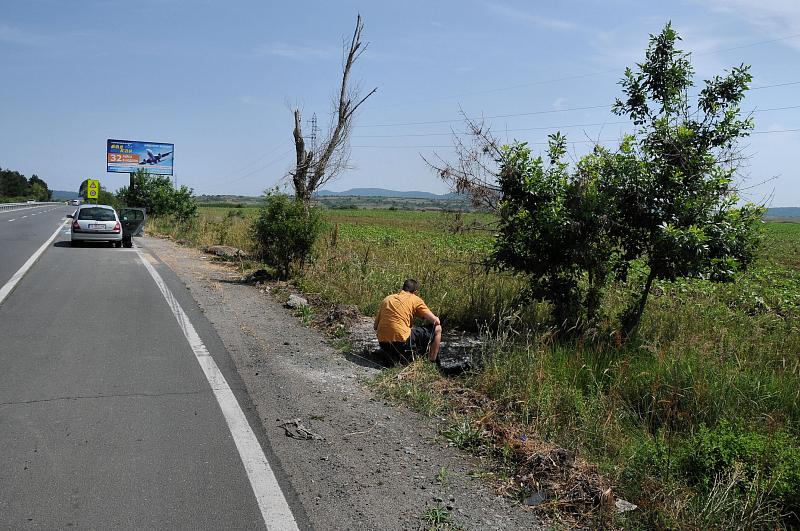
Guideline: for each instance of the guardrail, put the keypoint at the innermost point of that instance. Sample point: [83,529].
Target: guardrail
[19,206]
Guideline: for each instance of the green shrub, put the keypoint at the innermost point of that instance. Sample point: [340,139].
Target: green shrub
[773,460]
[284,232]
[157,194]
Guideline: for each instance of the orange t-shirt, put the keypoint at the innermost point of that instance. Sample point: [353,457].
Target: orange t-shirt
[393,322]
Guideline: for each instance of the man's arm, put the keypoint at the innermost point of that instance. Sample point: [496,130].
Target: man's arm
[431,318]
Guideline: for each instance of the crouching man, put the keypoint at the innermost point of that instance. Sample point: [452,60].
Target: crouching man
[393,325]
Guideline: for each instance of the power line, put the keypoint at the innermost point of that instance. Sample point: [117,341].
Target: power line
[544,128]
[532,113]
[601,141]
[775,131]
[509,130]
[588,74]
[535,113]
[489,117]
[267,165]
[263,156]
[776,85]
[759,43]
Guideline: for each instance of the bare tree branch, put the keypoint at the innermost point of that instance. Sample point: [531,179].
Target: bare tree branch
[314,168]
[476,169]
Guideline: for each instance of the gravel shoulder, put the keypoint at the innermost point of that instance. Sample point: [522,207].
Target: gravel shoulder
[366,464]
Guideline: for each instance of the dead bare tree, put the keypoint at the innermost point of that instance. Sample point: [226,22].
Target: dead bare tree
[476,168]
[318,165]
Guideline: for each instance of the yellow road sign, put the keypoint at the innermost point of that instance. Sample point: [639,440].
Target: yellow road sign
[92,189]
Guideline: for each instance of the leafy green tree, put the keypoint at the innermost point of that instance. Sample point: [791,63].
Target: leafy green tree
[39,189]
[665,199]
[38,192]
[13,184]
[679,213]
[284,232]
[554,228]
[157,194]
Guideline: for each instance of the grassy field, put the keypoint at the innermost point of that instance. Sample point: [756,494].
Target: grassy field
[698,422]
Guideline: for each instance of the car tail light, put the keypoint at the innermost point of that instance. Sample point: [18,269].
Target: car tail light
[75,224]
[116,226]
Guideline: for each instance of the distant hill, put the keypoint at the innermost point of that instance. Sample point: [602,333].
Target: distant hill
[62,194]
[782,213]
[383,192]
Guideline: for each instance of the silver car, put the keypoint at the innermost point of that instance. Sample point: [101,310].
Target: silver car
[96,223]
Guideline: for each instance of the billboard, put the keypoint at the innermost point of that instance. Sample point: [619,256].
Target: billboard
[127,156]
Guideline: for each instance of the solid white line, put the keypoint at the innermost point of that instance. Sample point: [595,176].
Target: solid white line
[5,290]
[274,507]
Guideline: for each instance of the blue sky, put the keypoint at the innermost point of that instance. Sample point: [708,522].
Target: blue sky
[219,79]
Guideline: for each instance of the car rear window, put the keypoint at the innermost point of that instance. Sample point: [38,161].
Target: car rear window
[97,214]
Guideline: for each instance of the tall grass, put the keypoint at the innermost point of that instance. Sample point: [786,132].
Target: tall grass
[682,420]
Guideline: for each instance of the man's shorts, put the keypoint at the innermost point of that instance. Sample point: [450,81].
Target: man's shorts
[417,344]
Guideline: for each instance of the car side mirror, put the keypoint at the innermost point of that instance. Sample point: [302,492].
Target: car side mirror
[70,216]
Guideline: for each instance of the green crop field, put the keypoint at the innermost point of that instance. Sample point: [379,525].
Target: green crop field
[698,422]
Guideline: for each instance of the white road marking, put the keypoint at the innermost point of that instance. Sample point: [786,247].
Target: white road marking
[273,505]
[12,219]
[23,217]
[5,290]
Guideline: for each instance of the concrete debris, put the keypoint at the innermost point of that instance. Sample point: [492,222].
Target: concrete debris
[259,275]
[296,302]
[623,506]
[537,498]
[225,251]
[458,353]
[295,429]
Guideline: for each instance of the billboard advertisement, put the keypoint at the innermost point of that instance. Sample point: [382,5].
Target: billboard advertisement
[127,156]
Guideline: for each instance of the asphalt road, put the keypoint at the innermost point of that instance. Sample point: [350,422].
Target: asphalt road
[106,418]
[23,231]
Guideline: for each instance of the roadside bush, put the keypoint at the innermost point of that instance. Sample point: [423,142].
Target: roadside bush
[772,460]
[159,197]
[744,463]
[284,232]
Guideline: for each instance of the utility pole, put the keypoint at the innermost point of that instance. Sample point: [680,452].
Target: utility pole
[313,141]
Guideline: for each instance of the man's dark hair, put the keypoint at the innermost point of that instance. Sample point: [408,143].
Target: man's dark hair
[410,285]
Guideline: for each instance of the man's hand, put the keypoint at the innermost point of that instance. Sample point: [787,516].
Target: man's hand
[431,318]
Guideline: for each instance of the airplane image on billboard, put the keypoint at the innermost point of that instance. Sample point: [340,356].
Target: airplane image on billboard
[154,159]
[128,156]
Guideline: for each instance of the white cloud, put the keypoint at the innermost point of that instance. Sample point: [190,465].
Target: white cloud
[12,35]
[292,51]
[251,100]
[775,18]
[518,15]
[618,49]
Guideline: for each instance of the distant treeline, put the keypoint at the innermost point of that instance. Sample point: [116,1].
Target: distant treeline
[15,186]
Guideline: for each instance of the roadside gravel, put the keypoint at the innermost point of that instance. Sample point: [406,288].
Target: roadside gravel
[373,465]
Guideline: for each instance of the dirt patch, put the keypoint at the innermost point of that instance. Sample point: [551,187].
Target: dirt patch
[354,460]
[545,475]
